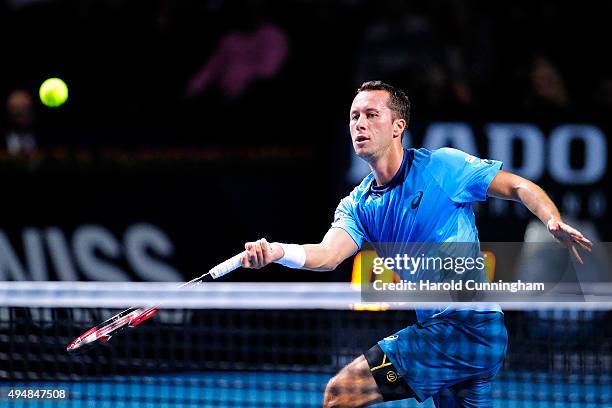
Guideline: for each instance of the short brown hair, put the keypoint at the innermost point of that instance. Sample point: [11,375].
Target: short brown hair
[398,100]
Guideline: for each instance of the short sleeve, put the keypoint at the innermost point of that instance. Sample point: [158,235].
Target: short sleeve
[465,178]
[345,218]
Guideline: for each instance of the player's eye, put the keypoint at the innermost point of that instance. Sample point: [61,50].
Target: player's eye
[354,117]
[372,114]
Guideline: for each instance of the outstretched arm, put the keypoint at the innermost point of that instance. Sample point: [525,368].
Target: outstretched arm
[510,186]
[336,246]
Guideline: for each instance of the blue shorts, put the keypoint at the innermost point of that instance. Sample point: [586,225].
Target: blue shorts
[452,358]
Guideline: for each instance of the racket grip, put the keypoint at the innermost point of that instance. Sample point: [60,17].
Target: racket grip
[227,266]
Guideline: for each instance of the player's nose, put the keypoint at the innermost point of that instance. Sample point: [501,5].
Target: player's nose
[360,123]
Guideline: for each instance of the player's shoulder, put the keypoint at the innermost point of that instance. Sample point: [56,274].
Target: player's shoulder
[440,157]
[448,153]
[357,193]
[362,187]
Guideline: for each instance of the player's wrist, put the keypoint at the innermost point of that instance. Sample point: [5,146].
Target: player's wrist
[553,222]
[293,256]
[277,251]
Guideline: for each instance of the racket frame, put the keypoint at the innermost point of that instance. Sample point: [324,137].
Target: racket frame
[133,316]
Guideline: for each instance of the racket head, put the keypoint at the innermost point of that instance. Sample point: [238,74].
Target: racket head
[102,332]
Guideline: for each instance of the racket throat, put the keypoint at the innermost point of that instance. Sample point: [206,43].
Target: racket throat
[147,314]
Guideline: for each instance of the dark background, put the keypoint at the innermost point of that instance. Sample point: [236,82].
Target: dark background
[226,163]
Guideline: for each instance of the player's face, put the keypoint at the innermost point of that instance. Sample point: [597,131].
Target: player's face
[371,123]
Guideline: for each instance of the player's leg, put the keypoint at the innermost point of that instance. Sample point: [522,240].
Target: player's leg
[352,387]
[390,385]
[488,353]
[369,379]
[474,393]
[439,353]
[444,399]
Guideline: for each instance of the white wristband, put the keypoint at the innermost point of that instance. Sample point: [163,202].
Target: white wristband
[295,256]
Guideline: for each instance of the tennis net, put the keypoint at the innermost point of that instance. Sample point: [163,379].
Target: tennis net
[264,345]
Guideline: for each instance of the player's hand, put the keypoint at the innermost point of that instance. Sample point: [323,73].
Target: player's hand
[569,237]
[261,253]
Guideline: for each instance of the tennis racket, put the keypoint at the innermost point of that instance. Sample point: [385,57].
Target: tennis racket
[133,316]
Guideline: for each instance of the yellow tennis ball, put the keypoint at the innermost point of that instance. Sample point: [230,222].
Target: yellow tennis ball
[53,92]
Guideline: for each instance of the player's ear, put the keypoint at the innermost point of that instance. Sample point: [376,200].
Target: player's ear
[398,127]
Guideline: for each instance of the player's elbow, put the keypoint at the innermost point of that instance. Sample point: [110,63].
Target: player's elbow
[329,261]
[509,186]
[333,261]
[327,266]
[524,189]
[327,255]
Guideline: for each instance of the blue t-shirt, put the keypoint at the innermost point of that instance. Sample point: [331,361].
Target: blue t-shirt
[428,200]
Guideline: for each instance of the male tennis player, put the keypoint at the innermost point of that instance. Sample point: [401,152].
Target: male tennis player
[416,195]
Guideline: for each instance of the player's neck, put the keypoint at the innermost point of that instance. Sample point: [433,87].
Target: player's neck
[386,167]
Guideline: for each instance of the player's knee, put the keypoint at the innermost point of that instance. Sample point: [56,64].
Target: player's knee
[352,387]
[330,397]
[341,392]
[337,394]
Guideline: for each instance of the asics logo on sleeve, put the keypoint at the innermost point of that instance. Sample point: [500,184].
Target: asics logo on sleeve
[417,200]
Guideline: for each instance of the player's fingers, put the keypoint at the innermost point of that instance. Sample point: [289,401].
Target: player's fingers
[246,259]
[252,256]
[569,228]
[584,241]
[567,236]
[580,239]
[577,236]
[574,252]
[584,245]
[267,251]
[259,254]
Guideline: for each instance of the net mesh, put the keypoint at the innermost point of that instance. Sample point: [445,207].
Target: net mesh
[240,349]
